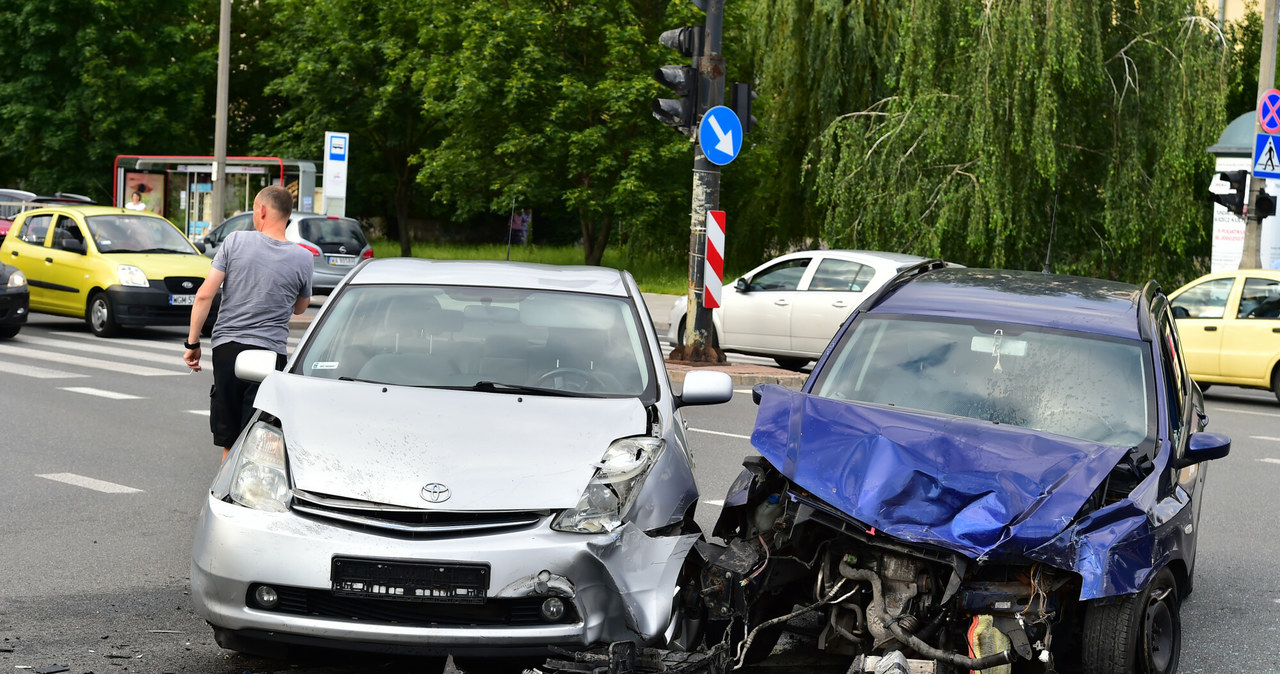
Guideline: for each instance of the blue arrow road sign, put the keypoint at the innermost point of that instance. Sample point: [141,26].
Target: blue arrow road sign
[1266,156]
[720,135]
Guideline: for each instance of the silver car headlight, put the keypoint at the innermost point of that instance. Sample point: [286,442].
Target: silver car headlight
[260,481]
[613,488]
[131,276]
[17,280]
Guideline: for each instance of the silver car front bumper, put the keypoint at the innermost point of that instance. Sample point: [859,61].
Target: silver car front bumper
[621,584]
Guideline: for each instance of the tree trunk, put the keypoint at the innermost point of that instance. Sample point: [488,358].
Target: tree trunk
[595,237]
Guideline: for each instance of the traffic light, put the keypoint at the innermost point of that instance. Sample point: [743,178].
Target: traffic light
[1265,206]
[682,112]
[1234,201]
[740,97]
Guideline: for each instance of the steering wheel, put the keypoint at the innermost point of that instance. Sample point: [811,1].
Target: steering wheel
[568,379]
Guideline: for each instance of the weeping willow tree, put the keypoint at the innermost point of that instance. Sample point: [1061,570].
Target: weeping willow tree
[1018,132]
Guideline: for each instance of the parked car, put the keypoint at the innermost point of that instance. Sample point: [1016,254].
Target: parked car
[790,306]
[12,202]
[14,300]
[337,244]
[988,467]
[1230,328]
[466,458]
[113,267]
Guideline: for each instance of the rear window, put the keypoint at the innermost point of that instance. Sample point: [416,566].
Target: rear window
[333,234]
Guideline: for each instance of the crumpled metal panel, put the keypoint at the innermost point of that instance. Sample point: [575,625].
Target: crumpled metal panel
[987,491]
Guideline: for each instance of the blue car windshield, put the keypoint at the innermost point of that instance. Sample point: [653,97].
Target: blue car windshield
[1074,384]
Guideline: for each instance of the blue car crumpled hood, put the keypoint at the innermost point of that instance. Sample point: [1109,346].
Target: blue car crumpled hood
[987,491]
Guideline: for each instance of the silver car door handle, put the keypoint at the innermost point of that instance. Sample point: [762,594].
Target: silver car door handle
[781,303]
[839,304]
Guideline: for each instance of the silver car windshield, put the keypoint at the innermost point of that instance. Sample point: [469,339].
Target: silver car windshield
[492,339]
[1074,384]
[137,234]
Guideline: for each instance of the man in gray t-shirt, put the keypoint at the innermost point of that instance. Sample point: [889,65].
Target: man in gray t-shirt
[264,279]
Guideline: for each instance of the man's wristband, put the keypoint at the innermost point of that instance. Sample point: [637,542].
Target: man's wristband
[190,345]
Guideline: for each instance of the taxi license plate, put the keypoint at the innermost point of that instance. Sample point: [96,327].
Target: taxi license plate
[341,261]
[182,300]
[443,582]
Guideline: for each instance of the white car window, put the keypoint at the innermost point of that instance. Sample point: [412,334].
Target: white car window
[784,275]
[1207,300]
[842,275]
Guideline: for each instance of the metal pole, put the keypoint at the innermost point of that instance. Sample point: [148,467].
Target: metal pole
[220,123]
[1251,256]
[706,190]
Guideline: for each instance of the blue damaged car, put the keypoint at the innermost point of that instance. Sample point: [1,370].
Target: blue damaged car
[986,469]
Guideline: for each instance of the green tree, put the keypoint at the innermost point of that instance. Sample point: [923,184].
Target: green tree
[350,67]
[82,81]
[546,104]
[1019,132]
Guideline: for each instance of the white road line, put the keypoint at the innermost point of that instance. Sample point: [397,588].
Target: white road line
[727,435]
[37,372]
[1263,437]
[1236,411]
[90,483]
[101,393]
[68,359]
[152,344]
[719,503]
[108,350]
[1276,461]
[200,412]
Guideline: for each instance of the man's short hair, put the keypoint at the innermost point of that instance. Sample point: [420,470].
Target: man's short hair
[277,199]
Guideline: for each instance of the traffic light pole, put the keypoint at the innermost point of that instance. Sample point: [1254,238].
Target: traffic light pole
[706,193]
[1251,256]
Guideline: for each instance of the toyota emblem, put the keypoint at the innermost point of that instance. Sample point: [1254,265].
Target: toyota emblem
[435,493]
[188,285]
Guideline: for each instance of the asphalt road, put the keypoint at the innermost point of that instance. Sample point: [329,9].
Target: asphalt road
[107,456]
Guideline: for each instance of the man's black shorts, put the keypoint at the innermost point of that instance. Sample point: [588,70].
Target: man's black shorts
[230,399]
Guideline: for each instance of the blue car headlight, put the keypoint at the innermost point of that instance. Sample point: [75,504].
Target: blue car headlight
[260,480]
[613,488]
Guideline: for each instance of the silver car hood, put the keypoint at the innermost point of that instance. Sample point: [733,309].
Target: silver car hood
[493,451]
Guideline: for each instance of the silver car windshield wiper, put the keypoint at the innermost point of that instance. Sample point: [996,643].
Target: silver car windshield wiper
[499,387]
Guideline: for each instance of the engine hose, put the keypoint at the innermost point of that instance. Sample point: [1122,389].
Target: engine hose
[877,616]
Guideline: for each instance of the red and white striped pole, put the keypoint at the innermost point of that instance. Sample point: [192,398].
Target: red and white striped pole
[713,278]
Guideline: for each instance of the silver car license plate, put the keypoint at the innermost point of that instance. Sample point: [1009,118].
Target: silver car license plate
[341,260]
[182,300]
[442,582]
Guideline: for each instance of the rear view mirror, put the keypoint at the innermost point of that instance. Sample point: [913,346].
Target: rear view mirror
[741,285]
[254,365]
[703,387]
[1204,447]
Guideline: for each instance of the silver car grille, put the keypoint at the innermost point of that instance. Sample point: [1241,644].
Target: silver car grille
[418,522]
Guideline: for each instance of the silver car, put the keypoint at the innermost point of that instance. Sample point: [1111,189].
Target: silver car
[466,458]
[336,244]
[791,306]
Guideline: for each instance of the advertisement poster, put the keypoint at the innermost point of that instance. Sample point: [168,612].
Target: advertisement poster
[150,190]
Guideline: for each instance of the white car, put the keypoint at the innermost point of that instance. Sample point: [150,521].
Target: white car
[476,459]
[791,306]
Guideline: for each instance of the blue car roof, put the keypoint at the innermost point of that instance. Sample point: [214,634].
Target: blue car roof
[1022,297]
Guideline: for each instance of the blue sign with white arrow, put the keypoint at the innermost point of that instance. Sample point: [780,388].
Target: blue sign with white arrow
[720,135]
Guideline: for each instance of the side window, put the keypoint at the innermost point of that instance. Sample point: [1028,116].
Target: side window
[35,228]
[836,274]
[1260,299]
[785,275]
[66,230]
[1177,383]
[1207,300]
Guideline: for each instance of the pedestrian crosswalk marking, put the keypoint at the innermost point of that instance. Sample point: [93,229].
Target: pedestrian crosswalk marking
[101,393]
[90,483]
[79,361]
[204,413]
[175,356]
[37,372]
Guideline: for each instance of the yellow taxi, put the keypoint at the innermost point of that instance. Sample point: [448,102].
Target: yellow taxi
[1229,324]
[114,267]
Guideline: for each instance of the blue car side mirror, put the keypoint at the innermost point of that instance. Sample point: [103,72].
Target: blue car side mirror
[1205,447]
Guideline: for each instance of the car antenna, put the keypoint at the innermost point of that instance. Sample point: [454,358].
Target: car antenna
[1053,226]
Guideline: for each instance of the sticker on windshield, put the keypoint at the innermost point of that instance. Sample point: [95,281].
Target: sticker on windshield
[324,365]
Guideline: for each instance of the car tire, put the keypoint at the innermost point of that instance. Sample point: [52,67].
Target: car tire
[7,331]
[795,364]
[101,315]
[1275,383]
[1140,633]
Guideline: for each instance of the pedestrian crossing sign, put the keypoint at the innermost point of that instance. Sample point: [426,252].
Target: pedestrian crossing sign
[1266,159]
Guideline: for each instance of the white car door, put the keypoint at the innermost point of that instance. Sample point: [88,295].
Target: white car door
[836,288]
[759,316]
